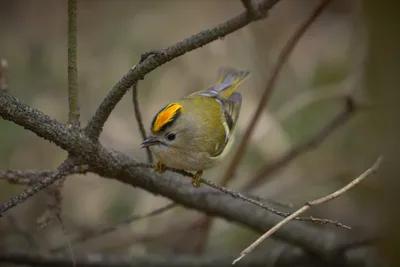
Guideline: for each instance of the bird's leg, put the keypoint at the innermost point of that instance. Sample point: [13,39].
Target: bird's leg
[196,179]
[160,167]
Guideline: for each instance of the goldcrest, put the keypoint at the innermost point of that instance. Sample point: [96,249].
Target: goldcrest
[196,132]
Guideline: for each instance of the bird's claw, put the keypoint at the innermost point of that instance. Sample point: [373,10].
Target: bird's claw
[160,167]
[196,179]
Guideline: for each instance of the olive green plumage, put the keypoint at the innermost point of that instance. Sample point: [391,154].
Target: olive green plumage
[195,132]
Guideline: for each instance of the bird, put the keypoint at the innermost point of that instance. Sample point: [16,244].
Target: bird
[196,132]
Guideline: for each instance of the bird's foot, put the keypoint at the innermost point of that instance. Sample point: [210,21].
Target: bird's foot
[159,167]
[196,179]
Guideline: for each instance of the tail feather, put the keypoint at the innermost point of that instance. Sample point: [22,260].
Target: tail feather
[229,79]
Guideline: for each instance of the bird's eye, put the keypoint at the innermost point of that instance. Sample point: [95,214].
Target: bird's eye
[170,136]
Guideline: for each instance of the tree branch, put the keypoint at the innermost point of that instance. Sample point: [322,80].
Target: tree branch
[73,96]
[27,177]
[116,165]
[139,120]
[200,39]
[308,206]
[64,170]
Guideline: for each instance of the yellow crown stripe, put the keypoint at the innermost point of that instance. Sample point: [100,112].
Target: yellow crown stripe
[166,115]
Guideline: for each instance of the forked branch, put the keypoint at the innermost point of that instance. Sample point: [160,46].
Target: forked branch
[27,177]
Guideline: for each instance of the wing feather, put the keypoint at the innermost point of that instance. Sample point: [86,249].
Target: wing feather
[223,92]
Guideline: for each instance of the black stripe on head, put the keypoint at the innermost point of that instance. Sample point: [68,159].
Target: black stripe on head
[169,123]
[165,122]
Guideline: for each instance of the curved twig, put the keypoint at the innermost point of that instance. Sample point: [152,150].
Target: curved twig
[139,120]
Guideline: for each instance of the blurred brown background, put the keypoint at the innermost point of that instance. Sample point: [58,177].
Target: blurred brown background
[353,48]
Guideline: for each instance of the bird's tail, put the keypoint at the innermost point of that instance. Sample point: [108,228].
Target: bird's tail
[229,79]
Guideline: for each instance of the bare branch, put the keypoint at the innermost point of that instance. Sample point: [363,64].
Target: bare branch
[86,237]
[346,188]
[202,38]
[28,177]
[282,58]
[64,170]
[139,119]
[309,205]
[3,75]
[313,142]
[73,96]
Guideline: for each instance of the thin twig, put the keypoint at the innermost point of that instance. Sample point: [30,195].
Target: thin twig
[309,205]
[202,38]
[139,120]
[27,177]
[73,96]
[339,119]
[3,75]
[282,58]
[96,234]
[63,170]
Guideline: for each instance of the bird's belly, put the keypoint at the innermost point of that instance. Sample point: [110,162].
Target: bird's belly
[188,161]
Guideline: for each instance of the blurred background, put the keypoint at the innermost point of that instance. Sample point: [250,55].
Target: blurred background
[352,49]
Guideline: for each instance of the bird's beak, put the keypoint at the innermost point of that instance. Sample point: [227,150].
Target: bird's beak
[149,142]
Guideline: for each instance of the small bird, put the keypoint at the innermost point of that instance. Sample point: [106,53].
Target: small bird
[196,132]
